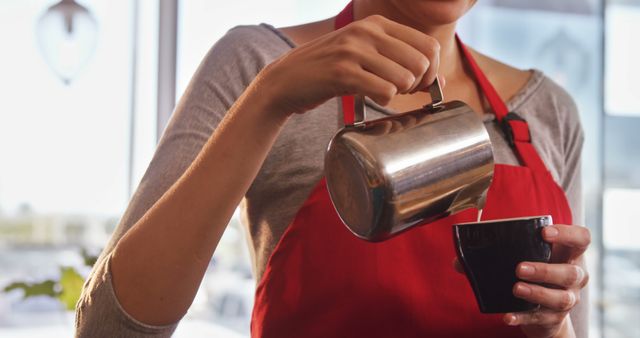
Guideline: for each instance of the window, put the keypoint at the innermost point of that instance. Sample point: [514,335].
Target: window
[621,259]
[64,154]
[622,69]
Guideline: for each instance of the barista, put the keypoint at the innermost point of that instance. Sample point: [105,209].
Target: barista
[252,127]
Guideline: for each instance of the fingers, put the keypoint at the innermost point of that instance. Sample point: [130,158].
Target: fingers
[565,276]
[371,85]
[541,317]
[553,299]
[405,56]
[577,238]
[388,69]
[417,52]
[425,44]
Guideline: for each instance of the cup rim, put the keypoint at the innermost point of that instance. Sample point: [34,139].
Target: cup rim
[503,220]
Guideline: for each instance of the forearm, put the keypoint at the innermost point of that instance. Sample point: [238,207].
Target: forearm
[158,265]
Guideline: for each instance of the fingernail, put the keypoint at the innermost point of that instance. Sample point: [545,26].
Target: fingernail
[526,270]
[580,275]
[414,85]
[551,232]
[510,319]
[523,290]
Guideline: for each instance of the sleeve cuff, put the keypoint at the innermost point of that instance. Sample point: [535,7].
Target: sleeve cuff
[100,314]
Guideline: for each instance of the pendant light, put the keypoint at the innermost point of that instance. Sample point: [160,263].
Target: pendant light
[67,34]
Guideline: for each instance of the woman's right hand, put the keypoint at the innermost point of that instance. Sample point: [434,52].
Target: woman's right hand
[375,57]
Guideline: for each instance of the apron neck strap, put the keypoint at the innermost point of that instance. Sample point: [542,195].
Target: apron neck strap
[497,105]
[348,102]
[345,17]
[515,128]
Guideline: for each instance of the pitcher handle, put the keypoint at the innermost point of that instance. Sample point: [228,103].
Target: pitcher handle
[437,98]
[435,90]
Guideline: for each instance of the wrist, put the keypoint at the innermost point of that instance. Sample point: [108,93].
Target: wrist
[262,99]
[267,93]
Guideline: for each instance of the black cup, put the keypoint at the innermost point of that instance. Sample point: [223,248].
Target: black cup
[490,251]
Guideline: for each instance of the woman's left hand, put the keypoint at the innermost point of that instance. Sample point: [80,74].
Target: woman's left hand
[557,284]
[563,279]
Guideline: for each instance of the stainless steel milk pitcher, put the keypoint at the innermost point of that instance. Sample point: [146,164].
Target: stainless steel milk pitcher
[387,175]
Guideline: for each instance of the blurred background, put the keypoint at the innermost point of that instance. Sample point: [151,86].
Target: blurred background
[86,88]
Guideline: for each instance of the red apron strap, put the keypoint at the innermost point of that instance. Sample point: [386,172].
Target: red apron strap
[515,128]
[348,110]
[497,105]
[345,17]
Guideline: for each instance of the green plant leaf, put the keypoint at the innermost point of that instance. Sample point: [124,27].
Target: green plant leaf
[71,286]
[46,288]
[89,260]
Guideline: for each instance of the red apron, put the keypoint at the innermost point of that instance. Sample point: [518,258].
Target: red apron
[322,281]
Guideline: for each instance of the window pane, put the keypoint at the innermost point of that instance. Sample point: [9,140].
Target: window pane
[622,180]
[620,226]
[621,157]
[64,147]
[622,263]
[622,55]
[620,218]
[64,150]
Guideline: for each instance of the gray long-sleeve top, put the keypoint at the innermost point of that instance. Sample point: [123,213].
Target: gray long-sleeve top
[272,201]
